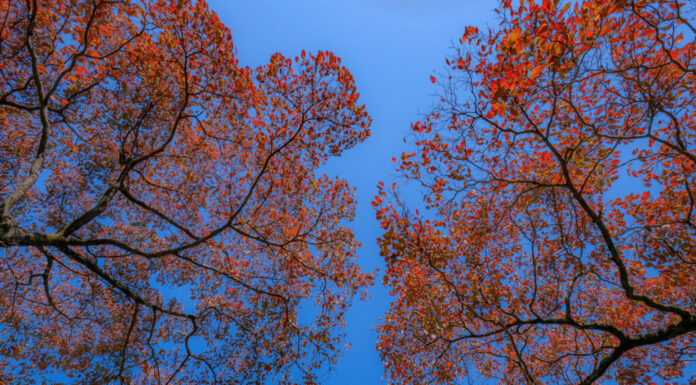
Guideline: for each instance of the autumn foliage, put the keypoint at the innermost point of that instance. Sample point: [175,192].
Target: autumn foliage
[557,244]
[161,217]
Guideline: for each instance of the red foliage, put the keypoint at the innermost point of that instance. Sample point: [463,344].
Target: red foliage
[558,245]
[140,162]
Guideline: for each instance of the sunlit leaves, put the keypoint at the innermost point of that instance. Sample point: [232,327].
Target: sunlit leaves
[557,242]
[161,213]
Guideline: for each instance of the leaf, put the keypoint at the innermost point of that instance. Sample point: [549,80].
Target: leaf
[535,72]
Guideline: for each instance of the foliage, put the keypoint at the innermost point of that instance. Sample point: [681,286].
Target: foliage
[558,242]
[141,165]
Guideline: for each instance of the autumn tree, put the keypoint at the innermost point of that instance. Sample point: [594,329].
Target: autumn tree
[162,220]
[556,243]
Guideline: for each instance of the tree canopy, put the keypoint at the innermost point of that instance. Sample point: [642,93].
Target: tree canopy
[162,219]
[557,242]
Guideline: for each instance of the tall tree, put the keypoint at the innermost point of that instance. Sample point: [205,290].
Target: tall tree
[161,216]
[557,244]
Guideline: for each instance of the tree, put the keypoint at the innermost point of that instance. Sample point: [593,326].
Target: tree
[161,215]
[557,241]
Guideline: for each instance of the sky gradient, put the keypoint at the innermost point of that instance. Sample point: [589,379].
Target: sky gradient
[391,47]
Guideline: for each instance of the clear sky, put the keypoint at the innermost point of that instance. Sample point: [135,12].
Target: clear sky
[391,47]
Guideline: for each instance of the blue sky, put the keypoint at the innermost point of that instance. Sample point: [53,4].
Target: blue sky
[391,47]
